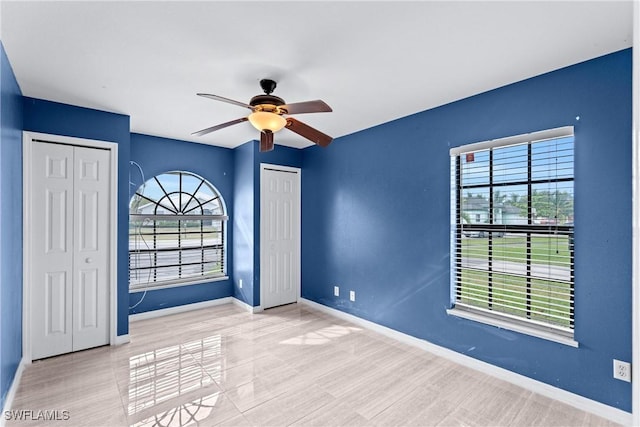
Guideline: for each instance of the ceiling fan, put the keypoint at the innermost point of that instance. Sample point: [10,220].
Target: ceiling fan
[268,116]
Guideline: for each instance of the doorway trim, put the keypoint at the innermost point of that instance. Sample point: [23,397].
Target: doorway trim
[635,251]
[298,172]
[27,148]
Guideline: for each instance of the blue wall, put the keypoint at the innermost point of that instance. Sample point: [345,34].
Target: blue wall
[243,223]
[68,120]
[10,225]
[376,220]
[158,155]
[247,226]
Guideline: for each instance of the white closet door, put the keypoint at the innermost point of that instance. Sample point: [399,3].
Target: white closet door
[91,248]
[70,248]
[52,249]
[280,235]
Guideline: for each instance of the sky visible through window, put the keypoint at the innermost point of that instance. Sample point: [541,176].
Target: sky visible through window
[551,160]
[179,187]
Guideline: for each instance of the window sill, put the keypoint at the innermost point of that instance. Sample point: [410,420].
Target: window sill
[504,323]
[155,287]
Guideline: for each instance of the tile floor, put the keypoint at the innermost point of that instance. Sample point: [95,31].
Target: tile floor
[287,366]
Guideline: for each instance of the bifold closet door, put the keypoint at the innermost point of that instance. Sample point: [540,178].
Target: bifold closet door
[70,248]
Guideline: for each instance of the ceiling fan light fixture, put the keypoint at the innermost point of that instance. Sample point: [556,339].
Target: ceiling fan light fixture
[267,113]
[264,120]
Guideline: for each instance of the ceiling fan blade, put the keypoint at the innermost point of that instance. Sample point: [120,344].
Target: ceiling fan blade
[220,126]
[266,141]
[308,132]
[316,106]
[223,99]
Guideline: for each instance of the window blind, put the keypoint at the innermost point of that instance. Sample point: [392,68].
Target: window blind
[513,242]
[175,248]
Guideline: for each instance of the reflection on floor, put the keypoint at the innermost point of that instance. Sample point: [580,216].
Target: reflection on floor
[287,366]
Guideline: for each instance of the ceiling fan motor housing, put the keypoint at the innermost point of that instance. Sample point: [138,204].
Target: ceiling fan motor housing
[266,100]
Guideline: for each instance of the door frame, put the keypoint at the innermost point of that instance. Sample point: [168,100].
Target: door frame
[635,284]
[27,148]
[298,172]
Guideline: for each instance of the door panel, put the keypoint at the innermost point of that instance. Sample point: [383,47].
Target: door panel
[88,297]
[87,215]
[51,254]
[56,304]
[280,211]
[91,248]
[57,164]
[56,207]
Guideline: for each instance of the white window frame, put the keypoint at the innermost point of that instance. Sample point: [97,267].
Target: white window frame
[498,319]
[194,280]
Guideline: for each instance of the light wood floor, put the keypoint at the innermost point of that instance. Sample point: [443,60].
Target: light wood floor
[287,366]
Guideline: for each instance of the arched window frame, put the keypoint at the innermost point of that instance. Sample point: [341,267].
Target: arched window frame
[169,218]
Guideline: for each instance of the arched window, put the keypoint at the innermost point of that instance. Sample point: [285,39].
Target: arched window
[176,231]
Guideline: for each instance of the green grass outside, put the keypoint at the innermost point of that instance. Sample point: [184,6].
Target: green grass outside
[144,276]
[550,301]
[552,250]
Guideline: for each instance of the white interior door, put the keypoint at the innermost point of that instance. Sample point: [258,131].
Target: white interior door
[52,249]
[91,248]
[69,248]
[279,235]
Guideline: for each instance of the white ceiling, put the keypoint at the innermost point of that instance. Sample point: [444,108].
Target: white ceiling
[371,61]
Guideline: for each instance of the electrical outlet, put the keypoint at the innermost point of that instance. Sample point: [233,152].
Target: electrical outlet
[352,295]
[336,291]
[240,283]
[622,370]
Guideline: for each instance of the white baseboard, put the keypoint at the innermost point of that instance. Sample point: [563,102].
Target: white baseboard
[11,394]
[121,339]
[243,305]
[246,306]
[179,309]
[575,400]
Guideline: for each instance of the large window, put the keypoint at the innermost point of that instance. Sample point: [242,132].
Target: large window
[512,232]
[176,231]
